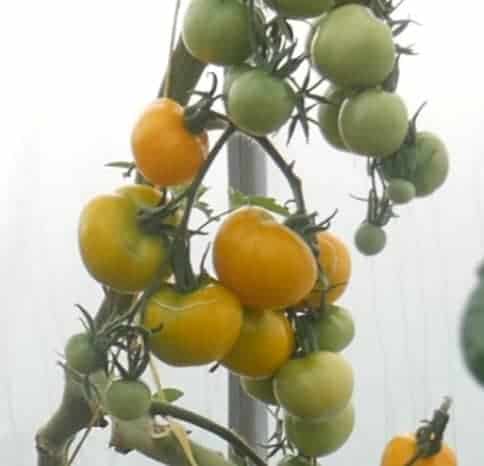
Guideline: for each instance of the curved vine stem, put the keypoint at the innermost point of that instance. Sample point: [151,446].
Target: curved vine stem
[238,444]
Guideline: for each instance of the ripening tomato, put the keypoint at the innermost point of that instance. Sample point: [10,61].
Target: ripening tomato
[301,8]
[373,123]
[260,103]
[113,247]
[353,48]
[266,264]
[370,239]
[165,151]
[265,343]
[259,389]
[217,31]
[321,438]
[316,386]
[401,449]
[128,399]
[195,328]
[334,328]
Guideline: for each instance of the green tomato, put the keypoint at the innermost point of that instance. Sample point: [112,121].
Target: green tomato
[231,74]
[400,191]
[334,329]
[217,31]
[259,389]
[291,460]
[301,8]
[315,386]
[328,116]
[353,48]
[81,354]
[472,332]
[320,438]
[260,103]
[128,399]
[373,123]
[370,239]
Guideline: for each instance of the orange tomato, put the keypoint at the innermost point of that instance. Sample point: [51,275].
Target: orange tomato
[265,263]
[265,343]
[401,449]
[335,261]
[165,151]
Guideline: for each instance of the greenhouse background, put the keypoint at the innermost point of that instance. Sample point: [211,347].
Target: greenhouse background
[75,74]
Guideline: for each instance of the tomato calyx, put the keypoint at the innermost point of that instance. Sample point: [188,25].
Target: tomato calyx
[429,437]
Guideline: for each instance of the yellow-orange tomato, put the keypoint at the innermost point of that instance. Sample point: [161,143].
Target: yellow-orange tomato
[335,261]
[195,328]
[165,151]
[265,263]
[114,249]
[401,449]
[265,343]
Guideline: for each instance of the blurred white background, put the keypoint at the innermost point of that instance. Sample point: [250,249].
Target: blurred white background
[74,77]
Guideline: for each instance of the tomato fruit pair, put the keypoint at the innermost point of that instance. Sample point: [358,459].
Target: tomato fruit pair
[316,386]
[352,48]
[323,437]
[114,249]
[266,264]
[195,328]
[165,151]
[127,399]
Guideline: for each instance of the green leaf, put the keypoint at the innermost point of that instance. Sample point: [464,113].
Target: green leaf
[169,395]
[238,199]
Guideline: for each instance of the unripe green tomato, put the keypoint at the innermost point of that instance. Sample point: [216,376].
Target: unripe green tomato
[81,354]
[320,438]
[400,191]
[291,460]
[128,399]
[301,8]
[334,329]
[231,74]
[259,389]
[370,239]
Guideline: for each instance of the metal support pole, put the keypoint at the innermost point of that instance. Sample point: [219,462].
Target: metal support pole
[247,174]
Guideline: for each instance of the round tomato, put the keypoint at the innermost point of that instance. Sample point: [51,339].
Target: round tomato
[334,329]
[113,247]
[128,399]
[265,343]
[321,438]
[217,31]
[400,450]
[316,386]
[291,460]
[335,261]
[472,325]
[82,355]
[260,103]
[194,328]
[352,48]
[370,239]
[373,123]
[266,264]
[328,116]
[301,8]
[259,389]
[165,151]
[400,191]
[231,74]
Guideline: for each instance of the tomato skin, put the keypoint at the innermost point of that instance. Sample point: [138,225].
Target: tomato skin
[334,329]
[370,239]
[401,191]
[260,103]
[265,343]
[301,8]
[316,386]
[217,31]
[401,449]
[291,460]
[360,57]
[321,438]
[114,249]
[196,328]
[128,399]
[81,354]
[165,151]
[264,263]
[259,389]
[373,123]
